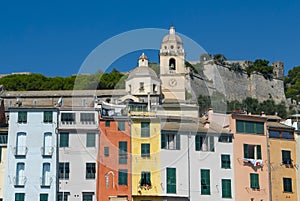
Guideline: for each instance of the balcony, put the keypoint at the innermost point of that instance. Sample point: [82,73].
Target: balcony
[20,151]
[47,151]
[19,181]
[46,181]
[88,122]
[68,122]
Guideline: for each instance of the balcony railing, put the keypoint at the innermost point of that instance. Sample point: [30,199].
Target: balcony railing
[68,122]
[46,181]
[19,181]
[47,150]
[88,122]
[20,150]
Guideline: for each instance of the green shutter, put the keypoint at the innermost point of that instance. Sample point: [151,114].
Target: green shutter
[178,141]
[107,123]
[64,140]
[240,126]
[287,185]
[198,143]
[225,161]
[163,141]
[211,143]
[22,117]
[171,180]
[260,128]
[258,150]
[286,157]
[145,150]
[145,129]
[90,140]
[122,177]
[43,197]
[121,126]
[249,127]
[48,116]
[106,151]
[246,154]
[254,181]
[226,188]
[122,152]
[19,196]
[205,182]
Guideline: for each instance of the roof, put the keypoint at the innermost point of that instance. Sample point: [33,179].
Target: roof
[279,125]
[142,71]
[143,56]
[187,127]
[172,37]
[63,93]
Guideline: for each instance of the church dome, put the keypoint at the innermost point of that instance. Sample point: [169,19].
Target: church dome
[172,37]
[142,71]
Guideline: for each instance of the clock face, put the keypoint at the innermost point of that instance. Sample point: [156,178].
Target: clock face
[172,82]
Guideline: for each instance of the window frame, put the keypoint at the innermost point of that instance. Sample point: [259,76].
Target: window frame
[145,129]
[225,161]
[287,185]
[122,174]
[123,149]
[22,117]
[65,141]
[145,150]
[48,117]
[286,160]
[90,139]
[64,170]
[207,140]
[254,181]
[90,171]
[171,180]
[205,181]
[145,179]
[226,188]
[121,126]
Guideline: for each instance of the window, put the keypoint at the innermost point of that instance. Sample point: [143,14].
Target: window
[122,177]
[87,118]
[63,196]
[287,185]
[254,181]
[121,126]
[226,188]
[205,143]
[145,129]
[47,144]
[225,138]
[90,171]
[123,152]
[48,117]
[22,117]
[171,180]
[63,171]
[21,148]
[172,64]
[19,196]
[87,196]
[20,176]
[145,179]
[250,127]
[3,139]
[107,123]
[145,150]
[205,181]
[141,86]
[286,157]
[43,197]
[170,141]
[274,134]
[68,117]
[225,161]
[64,139]
[90,140]
[106,151]
[252,151]
[287,135]
[46,177]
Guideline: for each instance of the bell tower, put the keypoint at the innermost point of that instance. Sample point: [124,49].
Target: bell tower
[172,66]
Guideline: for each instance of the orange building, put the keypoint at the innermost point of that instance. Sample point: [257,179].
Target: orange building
[114,183]
[250,157]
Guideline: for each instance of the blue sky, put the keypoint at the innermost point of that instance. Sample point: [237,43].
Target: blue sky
[55,37]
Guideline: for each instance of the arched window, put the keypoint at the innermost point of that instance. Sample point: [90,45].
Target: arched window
[172,64]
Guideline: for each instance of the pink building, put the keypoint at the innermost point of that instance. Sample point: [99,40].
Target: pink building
[250,157]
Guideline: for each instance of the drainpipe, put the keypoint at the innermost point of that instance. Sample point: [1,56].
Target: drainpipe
[269,162]
[189,171]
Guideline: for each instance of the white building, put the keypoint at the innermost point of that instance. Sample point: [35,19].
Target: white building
[31,155]
[78,149]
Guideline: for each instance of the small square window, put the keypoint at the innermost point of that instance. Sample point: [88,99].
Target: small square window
[106,151]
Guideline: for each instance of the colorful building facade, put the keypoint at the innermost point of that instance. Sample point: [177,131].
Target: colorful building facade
[114,161]
[251,170]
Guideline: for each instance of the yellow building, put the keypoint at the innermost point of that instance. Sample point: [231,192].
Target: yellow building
[282,161]
[145,150]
